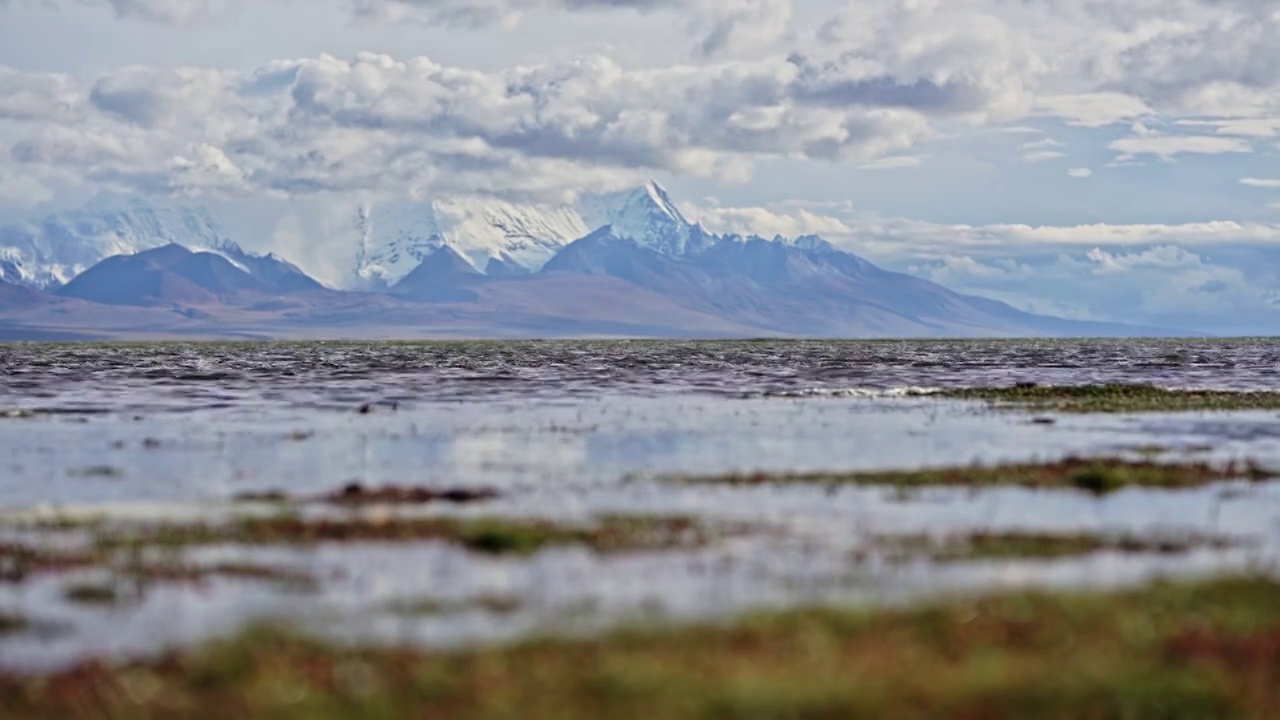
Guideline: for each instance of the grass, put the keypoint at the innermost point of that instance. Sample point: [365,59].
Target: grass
[1099,476]
[491,536]
[93,594]
[139,555]
[495,604]
[358,495]
[18,562]
[144,573]
[1116,398]
[10,624]
[1189,650]
[1039,546]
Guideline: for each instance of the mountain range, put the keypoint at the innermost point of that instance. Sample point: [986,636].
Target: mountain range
[623,264]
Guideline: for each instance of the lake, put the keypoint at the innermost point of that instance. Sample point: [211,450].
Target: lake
[567,433]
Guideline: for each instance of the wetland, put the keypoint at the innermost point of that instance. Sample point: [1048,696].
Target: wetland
[609,528]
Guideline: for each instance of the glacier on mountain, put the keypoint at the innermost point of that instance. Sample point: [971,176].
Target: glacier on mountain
[450,267]
[648,217]
[507,238]
[389,239]
[50,251]
[395,237]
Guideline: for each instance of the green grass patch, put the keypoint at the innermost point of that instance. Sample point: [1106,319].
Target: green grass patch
[1099,476]
[139,555]
[11,623]
[176,572]
[495,604]
[358,495]
[1038,546]
[1116,398]
[491,536]
[18,562]
[1186,650]
[93,594]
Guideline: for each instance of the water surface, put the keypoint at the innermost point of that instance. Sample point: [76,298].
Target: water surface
[570,431]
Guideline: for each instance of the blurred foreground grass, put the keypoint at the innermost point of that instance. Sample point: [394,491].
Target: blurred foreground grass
[1189,650]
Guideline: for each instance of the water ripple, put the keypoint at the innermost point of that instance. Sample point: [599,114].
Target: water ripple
[182,377]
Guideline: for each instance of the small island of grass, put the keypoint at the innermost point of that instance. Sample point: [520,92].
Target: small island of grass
[1115,398]
[1099,476]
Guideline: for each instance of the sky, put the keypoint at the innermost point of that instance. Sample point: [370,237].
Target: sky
[1087,158]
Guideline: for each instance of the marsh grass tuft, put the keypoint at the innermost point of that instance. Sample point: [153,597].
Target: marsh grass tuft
[11,623]
[494,604]
[93,594]
[1099,476]
[997,546]
[18,562]
[144,574]
[1098,480]
[492,536]
[1171,650]
[1116,398]
[356,495]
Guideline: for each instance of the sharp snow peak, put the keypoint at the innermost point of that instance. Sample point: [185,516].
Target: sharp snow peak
[395,237]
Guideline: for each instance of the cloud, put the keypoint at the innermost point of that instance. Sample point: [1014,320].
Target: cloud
[1041,144]
[22,190]
[1109,234]
[1167,147]
[895,162]
[1261,182]
[1093,110]
[720,26]
[1243,127]
[508,13]
[963,56]
[1040,150]
[78,148]
[902,237]
[38,96]
[1160,257]
[739,25]
[866,86]
[165,12]
[768,222]
[1080,172]
[157,97]
[1042,156]
[206,169]
[1092,64]
[1163,286]
[374,122]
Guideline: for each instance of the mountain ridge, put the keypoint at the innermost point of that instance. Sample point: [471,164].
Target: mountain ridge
[48,252]
[649,269]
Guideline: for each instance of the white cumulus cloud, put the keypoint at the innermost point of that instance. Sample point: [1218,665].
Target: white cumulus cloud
[1261,182]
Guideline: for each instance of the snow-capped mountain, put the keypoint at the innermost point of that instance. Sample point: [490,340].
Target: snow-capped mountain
[396,237]
[498,238]
[479,268]
[648,216]
[503,238]
[804,287]
[50,251]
